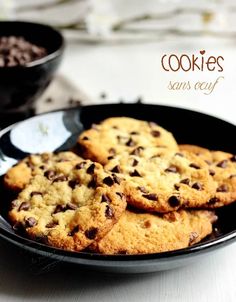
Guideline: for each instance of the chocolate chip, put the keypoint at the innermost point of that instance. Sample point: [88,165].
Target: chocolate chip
[222,164]
[92,184]
[71,206]
[212,172]
[222,188]
[147,224]
[185,181]
[90,169]
[233,158]
[231,176]
[115,127]
[30,222]
[108,181]
[106,199]
[74,230]
[59,208]
[197,186]
[109,212]
[192,237]
[112,151]
[192,165]
[116,179]
[121,195]
[110,157]
[130,143]
[60,178]
[116,169]
[24,206]
[142,189]
[42,167]
[179,154]
[137,151]
[176,186]
[91,233]
[51,224]
[134,133]
[156,133]
[35,193]
[73,183]
[172,169]
[213,200]
[49,174]
[151,196]
[135,173]
[85,138]
[135,163]
[80,165]
[174,201]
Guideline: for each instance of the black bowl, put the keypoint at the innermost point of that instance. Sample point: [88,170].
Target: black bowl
[20,86]
[58,131]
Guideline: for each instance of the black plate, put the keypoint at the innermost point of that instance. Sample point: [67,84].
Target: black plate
[58,131]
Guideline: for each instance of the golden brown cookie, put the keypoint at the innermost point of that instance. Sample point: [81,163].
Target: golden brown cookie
[119,134]
[69,211]
[222,168]
[163,181]
[145,233]
[19,176]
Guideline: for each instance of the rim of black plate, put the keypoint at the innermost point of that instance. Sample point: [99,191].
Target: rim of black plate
[51,251]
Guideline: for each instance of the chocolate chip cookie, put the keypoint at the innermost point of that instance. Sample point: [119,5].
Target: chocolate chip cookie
[163,181]
[121,134]
[222,168]
[142,233]
[69,211]
[19,176]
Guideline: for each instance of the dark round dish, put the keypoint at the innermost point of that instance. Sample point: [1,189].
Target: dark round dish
[58,131]
[20,86]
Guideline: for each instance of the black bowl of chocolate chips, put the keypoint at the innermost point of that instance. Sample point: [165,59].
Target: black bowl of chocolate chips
[30,54]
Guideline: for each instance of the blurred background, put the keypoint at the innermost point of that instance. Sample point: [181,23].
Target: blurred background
[114,49]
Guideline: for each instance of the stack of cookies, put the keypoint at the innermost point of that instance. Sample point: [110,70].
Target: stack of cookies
[130,190]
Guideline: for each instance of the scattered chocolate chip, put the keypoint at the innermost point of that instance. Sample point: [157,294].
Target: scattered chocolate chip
[73,183]
[90,169]
[85,138]
[110,157]
[192,165]
[60,178]
[231,176]
[108,181]
[71,206]
[80,165]
[42,167]
[135,173]
[174,201]
[112,151]
[137,151]
[91,233]
[116,179]
[233,158]
[176,186]
[121,195]
[142,189]
[156,133]
[151,196]
[135,162]
[74,230]
[213,200]
[106,198]
[172,169]
[222,188]
[116,169]
[185,181]
[51,224]
[179,154]
[130,143]
[115,127]
[147,224]
[134,133]
[59,208]
[49,174]
[109,212]
[212,172]
[197,186]
[92,184]
[192,237]
[30,222]
[222,164]
[24,206]
[35,193]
